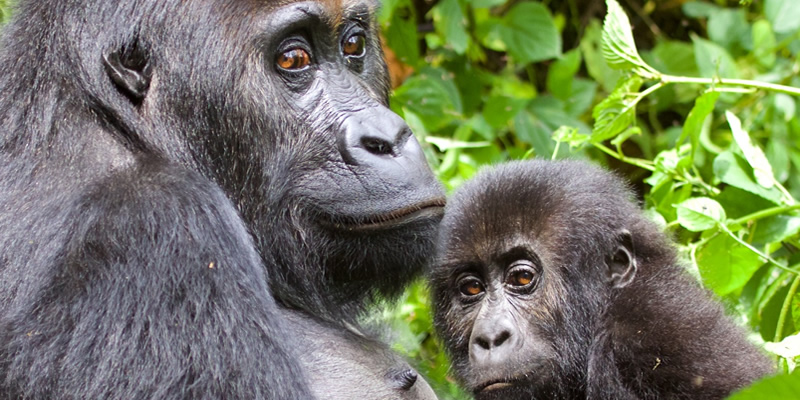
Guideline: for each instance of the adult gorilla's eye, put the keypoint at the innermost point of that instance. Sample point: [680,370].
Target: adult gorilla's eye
[522,274]
[294,59]
[470,286]
[354,45]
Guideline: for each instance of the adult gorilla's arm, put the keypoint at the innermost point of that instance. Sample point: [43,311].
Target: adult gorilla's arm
[159,294]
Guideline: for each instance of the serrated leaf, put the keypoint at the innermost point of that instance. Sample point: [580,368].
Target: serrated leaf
[617,112]
[752,153]
[619,48]
[530,34]
[725,265]
[700,213]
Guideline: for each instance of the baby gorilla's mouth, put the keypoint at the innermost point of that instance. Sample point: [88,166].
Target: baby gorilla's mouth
[424,210]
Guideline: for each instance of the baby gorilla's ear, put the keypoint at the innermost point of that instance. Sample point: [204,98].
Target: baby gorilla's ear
[621,262]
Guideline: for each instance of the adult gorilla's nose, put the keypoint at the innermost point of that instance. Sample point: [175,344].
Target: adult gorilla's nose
[371,136]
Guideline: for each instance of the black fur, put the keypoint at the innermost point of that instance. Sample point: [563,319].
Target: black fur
[157,166]
[609,312]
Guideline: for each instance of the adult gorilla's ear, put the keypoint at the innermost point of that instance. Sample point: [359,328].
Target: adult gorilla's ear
[130,69]
[621,263]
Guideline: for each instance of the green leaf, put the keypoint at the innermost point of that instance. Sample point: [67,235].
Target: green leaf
[785,386]
[775,229]
[445,144]
[725,265]
[596,66]
[700,213]
[703,107]
[673,57]
[728,26]
[401,33]
[618,111]
[500,109]
[570,135]
[530,34]
[697,9]
[764,43]
[619,49]
[561,74]
[431,96]
[450,22]
[734,171]
[752,153]
[533,131]
[783,14]
[713,60]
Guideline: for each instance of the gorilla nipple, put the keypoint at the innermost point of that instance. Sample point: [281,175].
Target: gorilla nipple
[402,378]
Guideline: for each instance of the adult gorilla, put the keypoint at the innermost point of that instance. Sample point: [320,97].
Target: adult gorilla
[160,158]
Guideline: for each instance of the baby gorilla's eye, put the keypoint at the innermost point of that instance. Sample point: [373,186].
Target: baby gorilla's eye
[521,275]
[520,278]
[470,286]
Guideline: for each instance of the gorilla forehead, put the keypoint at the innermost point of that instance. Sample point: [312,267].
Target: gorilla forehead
[535,200]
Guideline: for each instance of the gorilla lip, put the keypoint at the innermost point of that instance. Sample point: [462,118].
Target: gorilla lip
[495,385]
[428,209]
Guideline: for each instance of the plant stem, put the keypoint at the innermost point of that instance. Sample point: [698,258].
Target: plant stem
[755,250]
[785,309]
[766,213]
[666,79]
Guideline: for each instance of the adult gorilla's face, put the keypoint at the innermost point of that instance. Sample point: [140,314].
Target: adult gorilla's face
[289,115]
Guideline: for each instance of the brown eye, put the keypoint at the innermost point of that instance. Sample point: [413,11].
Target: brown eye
[294,59]
[520,278]
[353,46]
[470,287]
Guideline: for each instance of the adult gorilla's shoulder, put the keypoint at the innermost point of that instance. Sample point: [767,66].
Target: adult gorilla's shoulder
[170,169]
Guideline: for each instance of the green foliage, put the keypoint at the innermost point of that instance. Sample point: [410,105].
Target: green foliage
[705,122]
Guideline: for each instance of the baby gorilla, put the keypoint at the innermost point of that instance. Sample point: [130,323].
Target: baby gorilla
[550,284]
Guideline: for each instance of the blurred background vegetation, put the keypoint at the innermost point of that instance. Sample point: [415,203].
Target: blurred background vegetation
[702,120]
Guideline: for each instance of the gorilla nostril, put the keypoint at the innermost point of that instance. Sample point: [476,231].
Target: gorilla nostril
[483,343]
[377,146]
[501,338]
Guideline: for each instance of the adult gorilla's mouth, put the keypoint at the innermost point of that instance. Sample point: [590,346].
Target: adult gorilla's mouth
[496,384]
[425,210]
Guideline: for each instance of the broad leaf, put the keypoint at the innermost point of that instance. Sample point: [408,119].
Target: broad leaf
[530,33]
[734,171]
[785,386]
[783,14]
[725,265]
[700,213]
[752,153]
[713,60]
